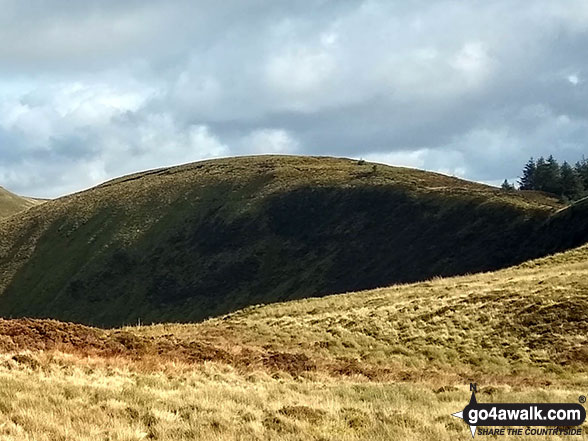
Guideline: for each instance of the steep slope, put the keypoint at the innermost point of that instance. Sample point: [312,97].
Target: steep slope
[11,203]
[207,238]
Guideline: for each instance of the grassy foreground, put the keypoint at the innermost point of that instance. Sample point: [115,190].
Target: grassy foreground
[391,363]
[64,398]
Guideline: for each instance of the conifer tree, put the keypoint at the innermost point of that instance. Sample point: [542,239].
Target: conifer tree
[527,181]
[571,185]
[547,175]
[582,171]
[540,174]
[553,176]
[507,186]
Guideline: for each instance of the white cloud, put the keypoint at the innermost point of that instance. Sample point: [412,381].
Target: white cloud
[100,88]
[473,63]
[270,141]
[84,131]
[413,159]
[447,161]
[298,74]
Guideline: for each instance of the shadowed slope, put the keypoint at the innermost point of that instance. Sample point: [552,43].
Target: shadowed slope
[207,238]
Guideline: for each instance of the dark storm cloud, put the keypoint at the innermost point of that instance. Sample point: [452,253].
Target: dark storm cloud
[90,90]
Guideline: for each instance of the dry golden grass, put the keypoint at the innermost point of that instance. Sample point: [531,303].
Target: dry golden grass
[53,396]
[391,363]
[11,204]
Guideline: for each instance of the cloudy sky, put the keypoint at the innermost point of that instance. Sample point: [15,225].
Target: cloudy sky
[94,89]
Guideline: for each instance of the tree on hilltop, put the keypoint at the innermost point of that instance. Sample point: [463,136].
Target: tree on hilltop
[582,171]
[571,184]
[507,186]
[527,181]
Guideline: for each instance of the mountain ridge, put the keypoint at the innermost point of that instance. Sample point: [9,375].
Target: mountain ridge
[210,237]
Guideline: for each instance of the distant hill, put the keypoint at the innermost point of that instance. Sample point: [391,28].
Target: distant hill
[11,203]
[203,239]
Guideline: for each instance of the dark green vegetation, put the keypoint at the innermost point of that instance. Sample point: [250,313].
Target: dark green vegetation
[207,238]
[569,183]
[11,203]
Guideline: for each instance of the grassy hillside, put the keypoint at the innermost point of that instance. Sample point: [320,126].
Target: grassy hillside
[204,239]
[11,203]
[390,363]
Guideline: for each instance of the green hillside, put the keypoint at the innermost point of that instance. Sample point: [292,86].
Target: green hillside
[11,203]
[189,242]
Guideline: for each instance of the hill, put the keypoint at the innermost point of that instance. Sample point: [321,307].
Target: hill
[390,363]
[204,239]
[11,204]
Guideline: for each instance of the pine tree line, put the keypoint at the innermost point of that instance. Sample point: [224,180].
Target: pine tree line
[567,181]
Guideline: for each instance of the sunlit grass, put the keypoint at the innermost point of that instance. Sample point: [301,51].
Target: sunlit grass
[66,398]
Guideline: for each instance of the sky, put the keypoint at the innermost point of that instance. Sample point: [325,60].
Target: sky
[94,89]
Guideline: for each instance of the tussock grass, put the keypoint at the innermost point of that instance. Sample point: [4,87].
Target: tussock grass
[390,363]
[63,398]
[11,204]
